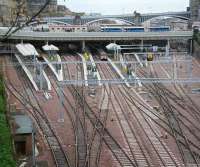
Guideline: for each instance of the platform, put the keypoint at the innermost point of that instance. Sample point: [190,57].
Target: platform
[118,72]
[52,56]
[98,75]
[84,69]
[29,53]
[28,73]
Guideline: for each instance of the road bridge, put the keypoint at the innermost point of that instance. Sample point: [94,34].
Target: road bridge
[99,36]
[129,18]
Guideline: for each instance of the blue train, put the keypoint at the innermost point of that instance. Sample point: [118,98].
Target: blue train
[122,29]
[159,29]
[111,29]
[134,29]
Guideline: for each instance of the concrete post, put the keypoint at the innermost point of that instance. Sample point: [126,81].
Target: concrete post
[115,54]
[191,47]
[83,45]
[142,45]
[135,71]
[190,67]
[167,48]
[168,43]
[174,68]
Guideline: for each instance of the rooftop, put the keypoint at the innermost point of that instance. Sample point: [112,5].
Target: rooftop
[27,49]
[24,124]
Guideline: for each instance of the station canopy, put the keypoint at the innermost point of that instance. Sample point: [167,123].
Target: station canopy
[113,46]
[27,49]
[50,48]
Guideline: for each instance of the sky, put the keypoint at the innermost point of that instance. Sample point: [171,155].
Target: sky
[125,6]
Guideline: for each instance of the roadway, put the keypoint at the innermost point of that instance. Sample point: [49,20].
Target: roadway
[99,36]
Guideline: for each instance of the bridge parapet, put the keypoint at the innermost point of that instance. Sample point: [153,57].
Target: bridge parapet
[99,36]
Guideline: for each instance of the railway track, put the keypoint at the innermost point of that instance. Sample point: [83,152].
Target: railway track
[166,157]
[189,156]
[103,117]
[98,132]
[154,135]
[81,131]
[58,153]
[69,104]
[186,150]
[183,101]
[120,155]
[188,102]
[69,110]
[112,144]
[180,137]
[128,132]
[178,103]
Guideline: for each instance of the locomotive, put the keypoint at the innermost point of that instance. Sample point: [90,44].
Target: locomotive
[103,55]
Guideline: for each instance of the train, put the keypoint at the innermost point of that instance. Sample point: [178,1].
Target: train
[122,29]
[134,29]
[150,57]
[159,29]
[103,28]
[103,55]
[59,28]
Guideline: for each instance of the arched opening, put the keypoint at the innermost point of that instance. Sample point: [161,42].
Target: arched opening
[95,25]
[34,23]
[176,23]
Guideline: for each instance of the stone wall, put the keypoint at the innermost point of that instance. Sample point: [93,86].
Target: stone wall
[195,10]
[7,10]
[30,7]
[34,5]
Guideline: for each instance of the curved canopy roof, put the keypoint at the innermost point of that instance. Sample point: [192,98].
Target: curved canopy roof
[50,48]
[27,49]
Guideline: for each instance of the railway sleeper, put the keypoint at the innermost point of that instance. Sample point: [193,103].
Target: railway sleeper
[141,160]
[52,139]
[53,143]
[59,157]
[55,147]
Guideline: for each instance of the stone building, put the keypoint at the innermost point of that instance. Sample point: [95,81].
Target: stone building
[53,9]
[8,11]
[62,10]
[9,8]
[195,10]
[34,5]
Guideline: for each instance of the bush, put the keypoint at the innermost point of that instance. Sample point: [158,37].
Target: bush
[6,156]
[196,36]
